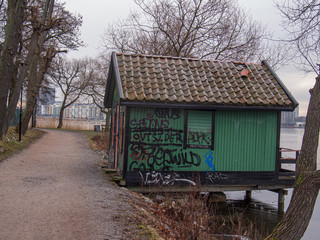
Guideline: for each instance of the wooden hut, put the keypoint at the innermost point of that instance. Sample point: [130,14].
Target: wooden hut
[179,121]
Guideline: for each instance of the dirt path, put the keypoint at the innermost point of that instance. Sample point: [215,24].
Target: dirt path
[55,190]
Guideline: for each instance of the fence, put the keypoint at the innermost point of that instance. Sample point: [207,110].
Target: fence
[75,111]
[72,124]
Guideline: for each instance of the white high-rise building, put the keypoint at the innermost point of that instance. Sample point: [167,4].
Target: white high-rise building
[288,118]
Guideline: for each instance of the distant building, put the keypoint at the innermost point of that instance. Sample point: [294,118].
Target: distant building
[288,119]
[300,122]
[47,96]
[88,111]
[52,110]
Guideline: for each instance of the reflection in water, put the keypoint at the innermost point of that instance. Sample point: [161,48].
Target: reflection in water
[263,215]
[263,208]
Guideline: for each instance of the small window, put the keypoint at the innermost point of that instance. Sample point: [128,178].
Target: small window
[199,126]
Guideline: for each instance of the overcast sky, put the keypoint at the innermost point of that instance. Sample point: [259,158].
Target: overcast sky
[97,14]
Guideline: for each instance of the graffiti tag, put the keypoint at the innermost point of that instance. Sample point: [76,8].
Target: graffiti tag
[209,161]
[212,176]
[158,178]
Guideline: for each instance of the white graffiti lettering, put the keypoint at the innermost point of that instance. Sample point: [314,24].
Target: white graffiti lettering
[158,178]
[212,176]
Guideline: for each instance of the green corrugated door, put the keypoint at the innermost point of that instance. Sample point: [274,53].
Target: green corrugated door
[245,140]
[199,129]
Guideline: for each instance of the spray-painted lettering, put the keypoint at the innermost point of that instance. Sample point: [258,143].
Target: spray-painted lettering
[212,176]
[149,123]
[167,113]
[161,158]
[199,137]
[156,142]
[168,178]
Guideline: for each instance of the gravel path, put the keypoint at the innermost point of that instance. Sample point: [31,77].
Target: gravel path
[56,190]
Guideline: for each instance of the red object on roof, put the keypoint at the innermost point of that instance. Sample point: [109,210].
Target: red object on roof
[244,73]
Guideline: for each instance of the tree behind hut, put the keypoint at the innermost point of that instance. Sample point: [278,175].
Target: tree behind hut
[302,22]
[217,30]
[72,77]
[96,87]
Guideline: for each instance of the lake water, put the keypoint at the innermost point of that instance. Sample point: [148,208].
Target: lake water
[263,208]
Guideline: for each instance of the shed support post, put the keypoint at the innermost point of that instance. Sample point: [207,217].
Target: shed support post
[248,196]
[281,194]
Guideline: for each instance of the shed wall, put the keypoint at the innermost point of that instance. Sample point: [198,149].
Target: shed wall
[243,141]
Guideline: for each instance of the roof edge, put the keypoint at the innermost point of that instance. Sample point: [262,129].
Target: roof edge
[108,87]
[113,72]
[286,90]
[117,74]
[204,106]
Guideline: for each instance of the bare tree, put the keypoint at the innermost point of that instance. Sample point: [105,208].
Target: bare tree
[9,50]
[48,30]
[302,21]
[72,78]
[96,87]
[215,29]
[53,30]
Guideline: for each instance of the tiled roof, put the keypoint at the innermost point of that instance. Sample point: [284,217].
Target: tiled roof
[184,80]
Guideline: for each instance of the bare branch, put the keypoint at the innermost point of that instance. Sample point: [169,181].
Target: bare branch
[301,21]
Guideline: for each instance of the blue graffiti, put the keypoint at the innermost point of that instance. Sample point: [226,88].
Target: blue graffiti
[209,161]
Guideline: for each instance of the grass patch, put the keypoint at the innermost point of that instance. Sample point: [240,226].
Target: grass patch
[97,140]
[149,232]
[11,144]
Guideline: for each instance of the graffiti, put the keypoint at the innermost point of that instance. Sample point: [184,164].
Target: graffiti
[158,178]
[135,166]
[158,157]
[148,123]
[139,152]
[172,136]
[167,113]
[199,137]
[212,176]
[156,142]
[209,161]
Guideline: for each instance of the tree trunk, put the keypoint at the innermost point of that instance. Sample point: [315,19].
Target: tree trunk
[60,118]
[13,31]
[13,101]
[295,222]
[34,83]
[63,106]
[35,77]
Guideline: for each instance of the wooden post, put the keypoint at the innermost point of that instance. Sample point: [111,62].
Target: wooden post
[248,196]
[281,194]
